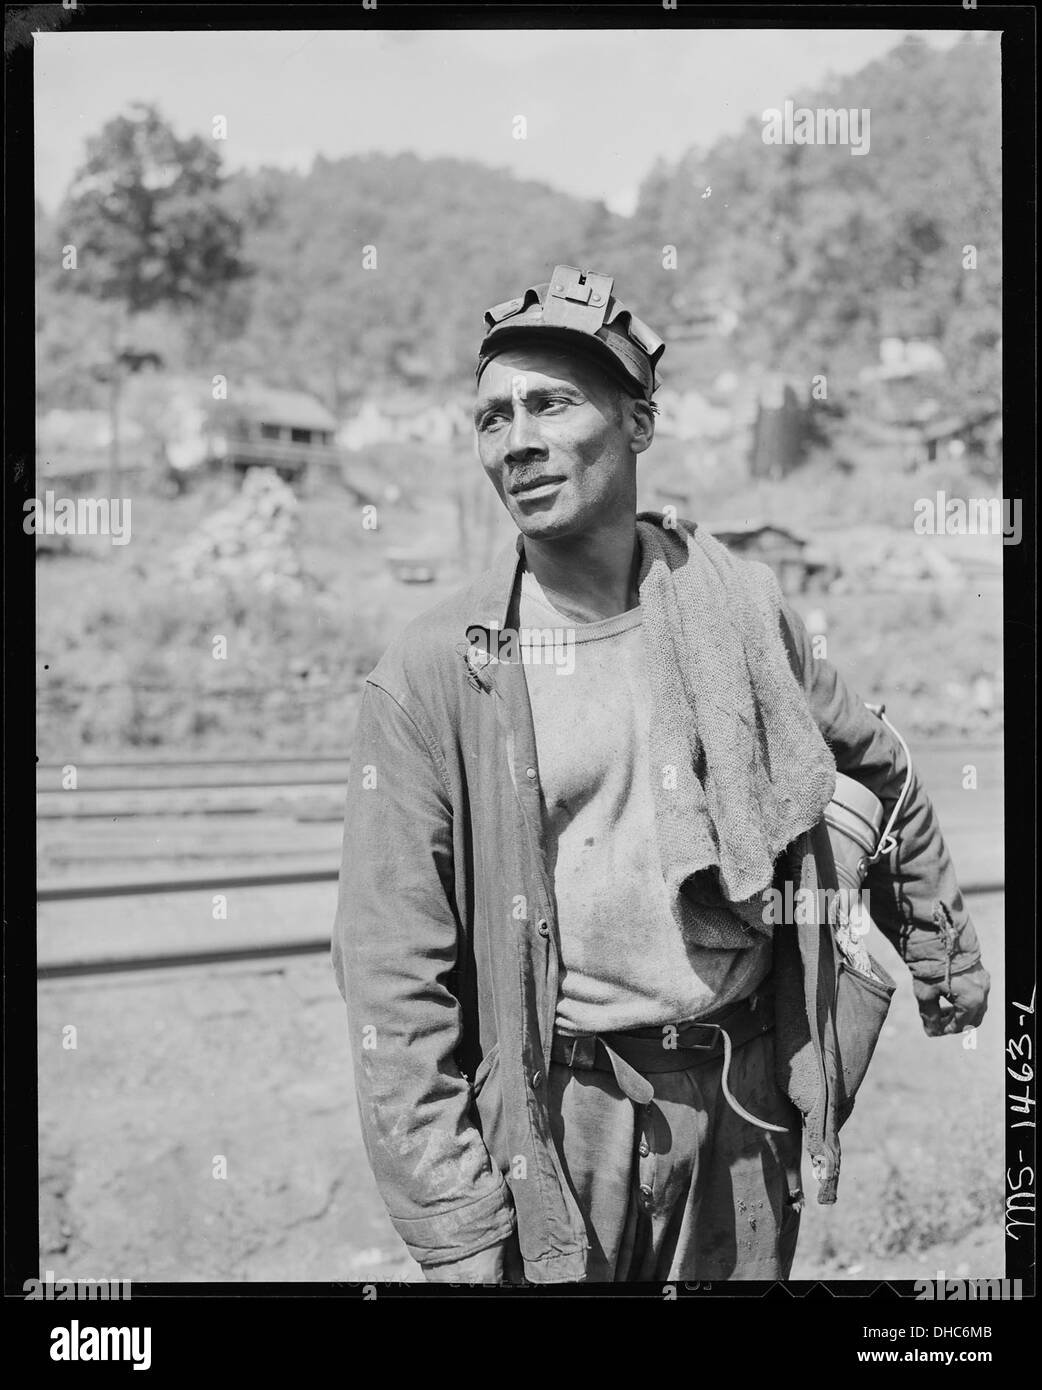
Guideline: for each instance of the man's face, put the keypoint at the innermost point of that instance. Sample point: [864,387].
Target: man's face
[554,442]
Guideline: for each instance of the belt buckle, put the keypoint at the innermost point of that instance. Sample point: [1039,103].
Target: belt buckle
[703,1046]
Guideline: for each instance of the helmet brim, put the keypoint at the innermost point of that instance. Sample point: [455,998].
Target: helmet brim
[570,342]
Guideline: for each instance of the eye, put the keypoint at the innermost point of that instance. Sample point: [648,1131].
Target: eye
[550,402]
[490,422]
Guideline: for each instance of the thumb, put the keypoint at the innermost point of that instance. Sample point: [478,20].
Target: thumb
[937,1015]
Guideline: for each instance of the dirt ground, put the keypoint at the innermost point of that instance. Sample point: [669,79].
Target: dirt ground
[203,1127]
[175,1070]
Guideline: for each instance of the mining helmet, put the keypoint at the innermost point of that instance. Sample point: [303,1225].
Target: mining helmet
[576,312]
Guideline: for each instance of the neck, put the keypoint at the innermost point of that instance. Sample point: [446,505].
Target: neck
[591,576]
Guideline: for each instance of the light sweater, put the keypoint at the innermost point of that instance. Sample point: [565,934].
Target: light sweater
[627,963]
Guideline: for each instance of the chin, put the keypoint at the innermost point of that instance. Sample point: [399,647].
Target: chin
[547,526]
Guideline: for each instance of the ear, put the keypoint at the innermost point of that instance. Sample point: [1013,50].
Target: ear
[642,425]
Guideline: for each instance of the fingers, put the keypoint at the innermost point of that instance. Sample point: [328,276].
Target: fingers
[970,998]
[971,1015]
[934,1021]
[942,1016]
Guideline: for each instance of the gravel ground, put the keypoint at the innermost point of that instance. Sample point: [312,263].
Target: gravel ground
[172,1069]
[175,1068]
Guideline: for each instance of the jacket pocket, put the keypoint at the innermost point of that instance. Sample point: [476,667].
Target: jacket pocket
[487,1105]
[862,1005]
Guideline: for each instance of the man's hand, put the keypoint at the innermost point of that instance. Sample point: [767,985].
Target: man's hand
[499,1264]
[963,1006]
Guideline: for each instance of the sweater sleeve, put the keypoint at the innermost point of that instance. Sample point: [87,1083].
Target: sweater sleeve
[394,951]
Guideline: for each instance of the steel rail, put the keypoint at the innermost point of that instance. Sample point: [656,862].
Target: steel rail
[121,965]
[71,892]
[259,951]
[121,763]
[190,786]
[139,888]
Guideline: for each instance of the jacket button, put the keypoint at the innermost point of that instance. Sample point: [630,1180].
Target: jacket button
[530,772]
[543,927]
[646,1195]
[537,1078]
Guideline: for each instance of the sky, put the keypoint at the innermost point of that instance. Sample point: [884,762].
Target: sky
[600,106]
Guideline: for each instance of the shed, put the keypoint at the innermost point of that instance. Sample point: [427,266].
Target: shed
[271,427]
[978,432]
[785,551]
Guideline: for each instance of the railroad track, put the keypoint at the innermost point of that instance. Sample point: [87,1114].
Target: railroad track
[107,817]
[93,777]
[280,784]
[179,960]
[249,952]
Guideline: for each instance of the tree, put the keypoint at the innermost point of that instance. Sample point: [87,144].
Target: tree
[826,254]
[145,217]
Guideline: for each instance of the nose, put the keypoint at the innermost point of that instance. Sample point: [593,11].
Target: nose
[523,439]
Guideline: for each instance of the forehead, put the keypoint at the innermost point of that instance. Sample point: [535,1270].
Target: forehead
[539,369]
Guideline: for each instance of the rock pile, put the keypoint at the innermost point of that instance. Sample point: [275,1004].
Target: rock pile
[250,543]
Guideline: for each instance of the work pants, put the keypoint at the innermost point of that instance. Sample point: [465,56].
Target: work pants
[683,1188]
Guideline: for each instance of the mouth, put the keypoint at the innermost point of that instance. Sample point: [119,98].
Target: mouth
[535,488]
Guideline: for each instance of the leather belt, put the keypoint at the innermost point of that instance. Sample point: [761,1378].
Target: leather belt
[634,1055]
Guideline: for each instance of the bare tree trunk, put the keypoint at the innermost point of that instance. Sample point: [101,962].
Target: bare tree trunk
[115,391]
[114,455]
[461,518]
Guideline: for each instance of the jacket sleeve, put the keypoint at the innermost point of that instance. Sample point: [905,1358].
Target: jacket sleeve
[394,951]
[915,899]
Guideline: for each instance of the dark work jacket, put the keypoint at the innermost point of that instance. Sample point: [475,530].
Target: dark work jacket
[446,948]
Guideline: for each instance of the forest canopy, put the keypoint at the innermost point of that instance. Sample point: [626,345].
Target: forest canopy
[373,271]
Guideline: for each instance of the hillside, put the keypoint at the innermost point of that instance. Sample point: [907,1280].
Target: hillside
[816,254]
[808,254]
[800,260]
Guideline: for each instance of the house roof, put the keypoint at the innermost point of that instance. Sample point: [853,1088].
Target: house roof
[271,405]
[751,528]
[954,425]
